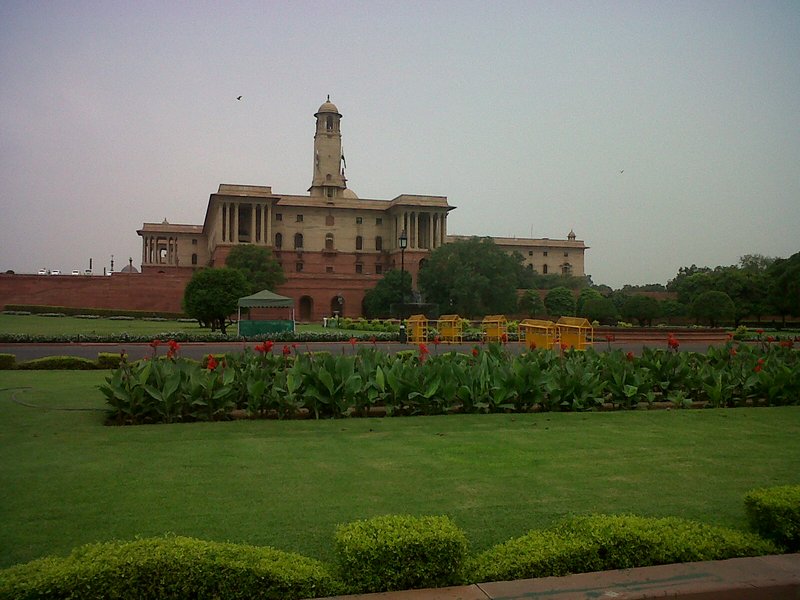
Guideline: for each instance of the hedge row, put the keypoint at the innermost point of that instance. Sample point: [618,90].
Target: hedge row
[775,514]
[381,554]
[604,542]
[105,360]
[330,335]
[173,567]
[37,309]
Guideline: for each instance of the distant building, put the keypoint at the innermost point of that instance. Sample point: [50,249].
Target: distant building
[333,245]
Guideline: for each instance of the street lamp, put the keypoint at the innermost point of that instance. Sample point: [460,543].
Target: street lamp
[403,246]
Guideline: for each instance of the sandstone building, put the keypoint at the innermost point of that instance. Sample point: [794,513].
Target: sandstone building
[332,245]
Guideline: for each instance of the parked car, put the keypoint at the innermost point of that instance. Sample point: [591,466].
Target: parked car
[55,272]
[42,271]
[76,272]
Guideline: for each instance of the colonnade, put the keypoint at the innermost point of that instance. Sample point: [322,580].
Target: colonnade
[160,250]
[425,230]
[246,222]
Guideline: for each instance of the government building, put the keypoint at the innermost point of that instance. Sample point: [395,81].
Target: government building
[333,246]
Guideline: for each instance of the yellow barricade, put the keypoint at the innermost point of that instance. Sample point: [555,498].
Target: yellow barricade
[575,332]
[449,327]
[417,327]
[495,328]
[538,333]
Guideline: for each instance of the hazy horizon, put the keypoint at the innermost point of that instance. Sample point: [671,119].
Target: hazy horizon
[663,134]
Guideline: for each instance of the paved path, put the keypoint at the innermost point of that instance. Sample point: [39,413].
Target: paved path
[198,350]
[758,578]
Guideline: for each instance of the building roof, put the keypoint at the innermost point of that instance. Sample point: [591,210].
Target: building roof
[526,242]
[166,227]
[328,107]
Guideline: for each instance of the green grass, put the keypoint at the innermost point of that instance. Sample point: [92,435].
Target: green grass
[38,325]
[67,480]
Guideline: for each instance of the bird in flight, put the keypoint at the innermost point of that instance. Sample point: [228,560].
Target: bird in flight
[238,97]
[621,172]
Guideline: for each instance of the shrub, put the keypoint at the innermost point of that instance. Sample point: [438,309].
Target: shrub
[71,363]
[774,513]
[398,552]
[174,567]
[108,360]
[8,362]
[603,542]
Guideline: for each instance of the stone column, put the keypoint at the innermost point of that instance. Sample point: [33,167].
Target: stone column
[268,220]
[222,220]
[235,223]
[253,223]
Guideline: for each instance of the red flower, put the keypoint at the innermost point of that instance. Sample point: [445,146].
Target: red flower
[353,342]
[757,369]
[504,338]
[673,342]
[760,361]
[436,340]
[532,345]
[211,363]
[372,340]
[610,337]
[265,347]
[286,350]
[173,349]
[564,346]
[733,351]
[629,357]
[760,331]
[423,349]
[730,337]
[475,352]
[155,343]
[787,344]
[770,339]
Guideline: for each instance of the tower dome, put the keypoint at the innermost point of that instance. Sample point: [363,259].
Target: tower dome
[328,107]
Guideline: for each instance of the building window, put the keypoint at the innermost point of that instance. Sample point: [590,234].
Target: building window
[194,242]
[379,221]
[329,123]
[566,254]
[329,220]
[278,217]
[329,269]
[378,243]
[544,269]
[278,240]
[299,218]
[544,253]
[359,242]
[329,241]
[298,267]
[359,220]
[298,241]
[359,268]
[378,269]
[194,259]
[329,191]
[566,269]
[530,252]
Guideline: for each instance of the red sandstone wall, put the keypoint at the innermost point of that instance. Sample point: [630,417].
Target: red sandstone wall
[136,291]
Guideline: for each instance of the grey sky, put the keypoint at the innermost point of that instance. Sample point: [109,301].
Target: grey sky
[522,113]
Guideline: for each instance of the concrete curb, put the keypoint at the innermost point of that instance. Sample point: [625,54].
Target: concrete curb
[757,578]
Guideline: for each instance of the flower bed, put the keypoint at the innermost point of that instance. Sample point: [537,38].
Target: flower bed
[276,381]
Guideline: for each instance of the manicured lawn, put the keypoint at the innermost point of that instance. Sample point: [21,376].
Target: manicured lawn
[65,479]
[38,325]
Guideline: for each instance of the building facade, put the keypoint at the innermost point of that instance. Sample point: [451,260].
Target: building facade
[333,246]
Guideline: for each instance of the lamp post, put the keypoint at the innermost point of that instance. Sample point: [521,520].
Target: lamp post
[403,246]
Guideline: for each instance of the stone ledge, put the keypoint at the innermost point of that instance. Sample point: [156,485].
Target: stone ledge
[758,578]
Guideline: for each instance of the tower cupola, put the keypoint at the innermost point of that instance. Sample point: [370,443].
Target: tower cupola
[328,179]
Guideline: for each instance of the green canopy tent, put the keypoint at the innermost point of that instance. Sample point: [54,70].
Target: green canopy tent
[265,299]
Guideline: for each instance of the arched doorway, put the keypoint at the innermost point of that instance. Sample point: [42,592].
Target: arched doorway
[306,308]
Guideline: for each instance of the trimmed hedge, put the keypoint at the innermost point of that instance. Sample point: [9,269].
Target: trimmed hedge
[330,335]
[8,362]
[603,542]
[174,567]
[108,360]
[103,312]
[774,513]
[399,552]
[55,363]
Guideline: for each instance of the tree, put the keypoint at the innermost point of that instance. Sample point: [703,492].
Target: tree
[585,295]
[472,278]
[388,291]
[642,308]
[258,266]
[784,285]
[600,309]
[560,302]
[714,308]
[530,303]
[213,294]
